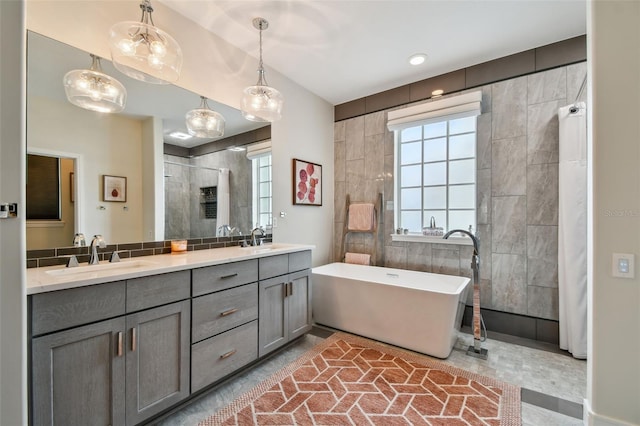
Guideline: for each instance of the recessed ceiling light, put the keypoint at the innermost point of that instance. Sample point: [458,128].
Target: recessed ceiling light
[236,148]
[180,135]
[417,59]
[437,93]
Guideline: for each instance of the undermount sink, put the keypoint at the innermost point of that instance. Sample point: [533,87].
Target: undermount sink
[262,249]
[123,266]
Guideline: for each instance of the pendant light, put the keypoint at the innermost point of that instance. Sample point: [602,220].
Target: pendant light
[143,51]
[261,102]
[203,122]
[94,90]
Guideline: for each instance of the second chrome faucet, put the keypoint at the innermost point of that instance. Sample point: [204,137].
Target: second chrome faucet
[96,242]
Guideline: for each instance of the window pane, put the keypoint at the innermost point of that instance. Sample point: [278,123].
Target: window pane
[435,173]
[265,173]
[410,176]
[410,220]
[462,125]
[462,197]
[410,153]
[461,219]
[265,160]
[462,146]
[435,130]
[264,219]
[435,150]
[435,197]
[439,215]
[411,134]
[265,204]
[410,198]
[462,171]
[265,189]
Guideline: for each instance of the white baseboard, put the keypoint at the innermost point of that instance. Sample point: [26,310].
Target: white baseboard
[592,419]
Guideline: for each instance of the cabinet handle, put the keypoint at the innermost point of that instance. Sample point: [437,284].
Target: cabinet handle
[228,354]
[133,339]
[228,312]
[291,288]
[119,343]
[224,277]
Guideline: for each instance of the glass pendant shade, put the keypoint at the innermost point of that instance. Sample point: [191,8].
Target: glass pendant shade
[94,90]
[203,122]
[145,52]
[261,102]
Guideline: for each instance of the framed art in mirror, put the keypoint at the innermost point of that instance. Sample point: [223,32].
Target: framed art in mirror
[307,183]
[115,188]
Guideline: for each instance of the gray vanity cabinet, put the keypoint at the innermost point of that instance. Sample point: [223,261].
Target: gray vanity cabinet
[157,360]
[284,300]
[78,376]
[98,360]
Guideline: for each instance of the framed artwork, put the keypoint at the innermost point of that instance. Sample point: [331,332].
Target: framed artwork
[307,183]
[115,188]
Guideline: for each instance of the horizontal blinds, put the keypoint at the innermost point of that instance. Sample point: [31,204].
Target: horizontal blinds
[460,106]
[257,150]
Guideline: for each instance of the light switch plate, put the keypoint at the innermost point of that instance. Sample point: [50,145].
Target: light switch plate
[622,265]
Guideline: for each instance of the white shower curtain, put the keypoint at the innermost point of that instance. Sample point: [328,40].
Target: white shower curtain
[572,229]
[223,198]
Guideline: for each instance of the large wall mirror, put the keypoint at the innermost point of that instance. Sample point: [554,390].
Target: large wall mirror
[170,191]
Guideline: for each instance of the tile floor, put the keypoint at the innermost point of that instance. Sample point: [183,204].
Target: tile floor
[549,379]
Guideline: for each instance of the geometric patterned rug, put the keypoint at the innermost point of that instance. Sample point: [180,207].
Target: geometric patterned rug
[350,380]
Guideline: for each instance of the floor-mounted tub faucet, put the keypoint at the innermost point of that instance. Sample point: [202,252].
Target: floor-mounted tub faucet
[96,242]
[475,350]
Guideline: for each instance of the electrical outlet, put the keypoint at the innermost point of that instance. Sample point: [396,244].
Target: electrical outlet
[623,266]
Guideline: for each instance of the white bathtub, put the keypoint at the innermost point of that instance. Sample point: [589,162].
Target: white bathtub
[414,310]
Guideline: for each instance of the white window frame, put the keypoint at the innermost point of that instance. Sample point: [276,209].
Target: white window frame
[446,109]
[257,196]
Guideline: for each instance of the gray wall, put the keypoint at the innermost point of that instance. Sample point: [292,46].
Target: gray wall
[517,211]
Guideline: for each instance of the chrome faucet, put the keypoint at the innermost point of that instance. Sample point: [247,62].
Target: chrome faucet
[224,231]
[255,242]
[79,240]
[476,350]
[96,242]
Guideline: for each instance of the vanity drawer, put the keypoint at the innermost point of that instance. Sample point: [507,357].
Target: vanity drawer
[156,290]
[299,260]
[218,312]
[219,356]
[222,277]
[62,309]
[273,266]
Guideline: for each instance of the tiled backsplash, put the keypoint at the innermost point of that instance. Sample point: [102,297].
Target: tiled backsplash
[60,255]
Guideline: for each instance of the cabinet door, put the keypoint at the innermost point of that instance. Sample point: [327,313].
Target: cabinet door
[78,376]
[299,301]
[157,360]
[273,315]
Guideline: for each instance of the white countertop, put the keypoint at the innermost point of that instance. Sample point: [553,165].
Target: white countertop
[40,280]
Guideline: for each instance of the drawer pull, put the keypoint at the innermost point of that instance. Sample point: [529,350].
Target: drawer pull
[133,339]
[120,343]
[224,277]
[228,312]
[228,354]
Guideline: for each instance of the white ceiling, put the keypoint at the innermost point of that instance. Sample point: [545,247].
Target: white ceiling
[346,49]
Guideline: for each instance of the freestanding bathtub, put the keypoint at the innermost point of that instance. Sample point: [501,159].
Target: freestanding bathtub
[414,310]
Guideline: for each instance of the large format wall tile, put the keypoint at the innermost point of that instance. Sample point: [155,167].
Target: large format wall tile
[339,131]
[542,302]
[547,86]
[484,238]
[542,256]
[445,259]
[509,166]
[355,179]
[396,256]
[509,108]
[509,232]
[374,157]
[508,283]
[543,133]
[542,194]
[339,161]
[419,257]
[483,141]
[354,136]
[483,195]
[576,74]
[374,123]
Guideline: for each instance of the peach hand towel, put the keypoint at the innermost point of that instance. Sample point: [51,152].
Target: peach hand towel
[357,258]
[361,217]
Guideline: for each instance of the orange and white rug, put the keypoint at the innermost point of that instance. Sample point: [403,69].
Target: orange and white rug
[349,380]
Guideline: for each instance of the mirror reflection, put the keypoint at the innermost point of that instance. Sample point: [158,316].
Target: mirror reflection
[176,186]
